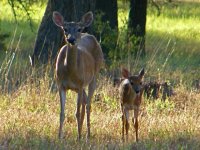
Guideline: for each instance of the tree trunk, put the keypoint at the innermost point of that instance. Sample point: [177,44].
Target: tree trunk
[137,24]
[108,26]
[109,8]
[49,37]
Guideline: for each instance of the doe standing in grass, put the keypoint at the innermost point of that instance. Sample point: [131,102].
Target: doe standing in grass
[77,65]
[131,90]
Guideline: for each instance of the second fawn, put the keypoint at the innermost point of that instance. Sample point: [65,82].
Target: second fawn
[131,90]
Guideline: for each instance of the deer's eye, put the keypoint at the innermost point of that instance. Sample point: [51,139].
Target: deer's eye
[131,82]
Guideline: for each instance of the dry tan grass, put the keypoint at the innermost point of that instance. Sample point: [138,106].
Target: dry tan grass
[30,119]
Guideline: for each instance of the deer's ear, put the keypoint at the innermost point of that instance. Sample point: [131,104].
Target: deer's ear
[87,19]
[58,19]
[141,73]
[125,73]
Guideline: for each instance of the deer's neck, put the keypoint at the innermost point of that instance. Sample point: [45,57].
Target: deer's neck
[72,57]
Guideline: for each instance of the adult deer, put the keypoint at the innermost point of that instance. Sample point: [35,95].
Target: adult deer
[131,90]
[77,65]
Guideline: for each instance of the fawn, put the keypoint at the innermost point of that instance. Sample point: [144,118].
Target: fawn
[77,65]
[131,91]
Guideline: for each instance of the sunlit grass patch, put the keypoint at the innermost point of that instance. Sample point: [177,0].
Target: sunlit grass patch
[179,24]
[21,26]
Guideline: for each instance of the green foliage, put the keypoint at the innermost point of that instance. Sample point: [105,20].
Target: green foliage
[159,106]
[106,36]
[24,8]
[116,44]
[2,39]
[109,101]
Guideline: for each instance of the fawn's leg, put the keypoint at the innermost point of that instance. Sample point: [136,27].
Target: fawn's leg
[83,103]
[127,123]
[91,89]
[123,122]
[135,122]
[78,105]
[62,94]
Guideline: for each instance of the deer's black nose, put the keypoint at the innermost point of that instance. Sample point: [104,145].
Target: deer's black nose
[71,40]
[137,91]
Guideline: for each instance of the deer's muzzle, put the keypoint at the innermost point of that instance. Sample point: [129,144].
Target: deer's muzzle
[71,40]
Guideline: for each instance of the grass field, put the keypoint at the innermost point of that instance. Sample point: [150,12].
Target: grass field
[29,114]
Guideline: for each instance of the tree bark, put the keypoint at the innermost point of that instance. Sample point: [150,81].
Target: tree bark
[109,25]
[109,8]
[137,24]
[49,37]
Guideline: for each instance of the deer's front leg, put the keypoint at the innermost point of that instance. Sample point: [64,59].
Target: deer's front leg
[127,123]
[79,100]
[91,89]
[123,122]
[135,122]
[62,94]
[83,103]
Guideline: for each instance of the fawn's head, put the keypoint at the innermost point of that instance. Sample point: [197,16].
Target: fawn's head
[72,30]
[135,80]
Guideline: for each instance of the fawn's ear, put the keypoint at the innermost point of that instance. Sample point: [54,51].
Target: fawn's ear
[87,19]
[125,73]
[141,73]
[58,19]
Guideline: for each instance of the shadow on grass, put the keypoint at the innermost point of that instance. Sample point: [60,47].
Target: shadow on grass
[35,141]
[168,144]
